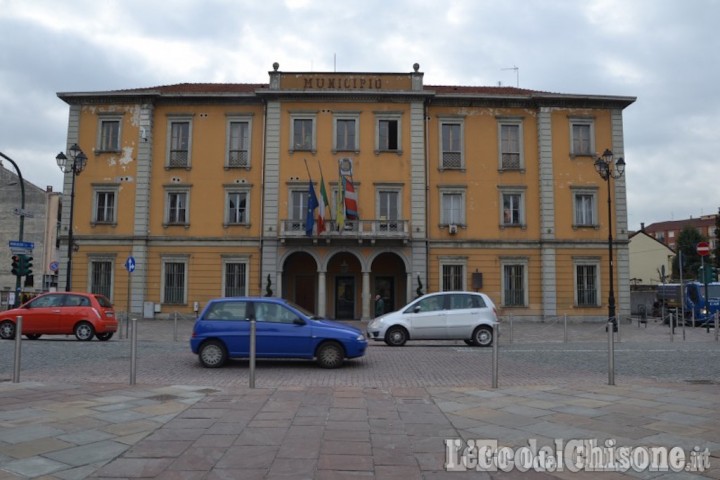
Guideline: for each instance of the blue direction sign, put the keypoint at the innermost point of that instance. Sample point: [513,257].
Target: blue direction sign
[25,245]
[130,264]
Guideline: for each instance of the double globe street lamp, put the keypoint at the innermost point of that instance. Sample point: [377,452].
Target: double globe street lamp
[73,163]
[608,168]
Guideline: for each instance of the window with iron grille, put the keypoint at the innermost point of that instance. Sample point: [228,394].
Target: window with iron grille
[453,277]
[239,144]
[586,285]
[104,207]
[237,208]
[174,283]
[177,208]
[388,210]
[345,138]
[101,277]
[510,147]
[109,135]
[298,209]
[235,279]
[179,144]
[514,285]
[451,145]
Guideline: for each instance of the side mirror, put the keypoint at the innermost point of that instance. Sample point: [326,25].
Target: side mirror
[299,321]
[416,309]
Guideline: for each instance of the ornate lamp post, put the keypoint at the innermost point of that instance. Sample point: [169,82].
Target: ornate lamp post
[22,219]
[608,168]
[73,163]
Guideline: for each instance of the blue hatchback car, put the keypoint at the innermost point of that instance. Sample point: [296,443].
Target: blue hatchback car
[282,330]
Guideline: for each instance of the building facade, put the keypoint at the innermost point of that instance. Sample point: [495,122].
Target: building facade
[649,260]
[668,231]
[39,226]
[207,187]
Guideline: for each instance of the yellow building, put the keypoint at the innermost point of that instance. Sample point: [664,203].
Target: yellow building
[207,187]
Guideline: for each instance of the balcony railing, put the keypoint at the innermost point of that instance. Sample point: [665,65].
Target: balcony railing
[361,229]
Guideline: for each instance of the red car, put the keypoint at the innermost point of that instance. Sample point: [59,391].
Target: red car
[86,315]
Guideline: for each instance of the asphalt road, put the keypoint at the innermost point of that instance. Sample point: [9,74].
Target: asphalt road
[529,354]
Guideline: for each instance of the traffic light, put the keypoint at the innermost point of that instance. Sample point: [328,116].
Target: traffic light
[16,265]
[27,265]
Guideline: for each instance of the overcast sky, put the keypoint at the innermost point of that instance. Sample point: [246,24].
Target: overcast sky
[664,52]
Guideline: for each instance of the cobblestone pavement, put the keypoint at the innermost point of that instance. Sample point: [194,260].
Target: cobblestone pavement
[391,414]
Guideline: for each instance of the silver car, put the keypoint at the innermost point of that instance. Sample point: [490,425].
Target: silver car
[467,316]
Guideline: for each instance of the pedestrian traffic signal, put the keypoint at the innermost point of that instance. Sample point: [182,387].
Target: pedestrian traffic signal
[16,265]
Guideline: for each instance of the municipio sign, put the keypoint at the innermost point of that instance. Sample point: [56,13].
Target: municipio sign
[703,249]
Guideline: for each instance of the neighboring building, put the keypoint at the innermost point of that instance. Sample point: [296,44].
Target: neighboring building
[39,227]
[668,232]
[648,256]
[206,186]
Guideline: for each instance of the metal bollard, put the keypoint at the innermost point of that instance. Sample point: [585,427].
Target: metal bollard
[18,350]
[175,328]
[717,314]
[120,327]
[133,351]
[253,335]
[565,334]
[672,327]
[496,340]
[511,331]
[611,355]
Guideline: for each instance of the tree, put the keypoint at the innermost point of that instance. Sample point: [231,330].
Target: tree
[687,246]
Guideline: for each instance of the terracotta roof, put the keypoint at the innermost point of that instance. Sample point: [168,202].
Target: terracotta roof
[200,88]
[680,224]
[468,89]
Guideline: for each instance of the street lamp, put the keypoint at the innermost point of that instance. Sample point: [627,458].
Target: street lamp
[608,168]
[74,164]
[22,219]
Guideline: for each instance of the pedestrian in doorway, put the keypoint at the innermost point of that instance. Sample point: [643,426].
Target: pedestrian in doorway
[379,305]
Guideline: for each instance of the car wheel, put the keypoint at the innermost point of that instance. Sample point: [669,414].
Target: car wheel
[330,355]
[7,330]
[33,336]
[104,337]
[482,336]
[84,331]
[396,336]
[212,354]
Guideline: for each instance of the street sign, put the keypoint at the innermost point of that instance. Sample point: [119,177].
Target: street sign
[54,266]
[22,245]
[703,249]
[130,264]
[20,211]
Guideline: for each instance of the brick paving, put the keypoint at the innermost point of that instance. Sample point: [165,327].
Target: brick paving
[388,415]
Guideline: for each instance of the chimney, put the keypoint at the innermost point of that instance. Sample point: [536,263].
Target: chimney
[642,227]
[48,189]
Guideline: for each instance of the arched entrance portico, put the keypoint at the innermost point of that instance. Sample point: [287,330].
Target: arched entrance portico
[300,280]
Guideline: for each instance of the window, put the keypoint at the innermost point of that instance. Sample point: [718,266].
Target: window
[388,209]
[174,282]
[586,284]
[453,277]
[235,278]
[584,208]
[388,133]
[514,293]
[346,134]
[513,207]
[511,145]
[303,133]
[109,138]
[105,204]
[451,144]
[582,137]
[227,311]
[179,144]
[238,148]
[462,301]
[298,209]
[272,312]
[101,273]
[236,205]
[176,208]
[452,204]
